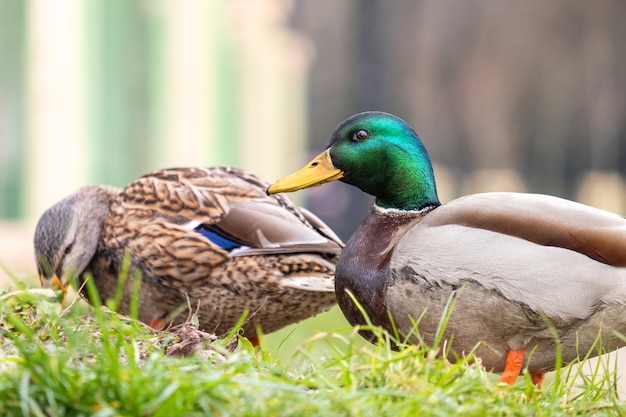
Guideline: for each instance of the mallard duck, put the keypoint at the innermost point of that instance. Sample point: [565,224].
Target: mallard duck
[211,235]
[520,266]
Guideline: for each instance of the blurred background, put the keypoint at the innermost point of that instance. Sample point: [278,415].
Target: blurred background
[530,96]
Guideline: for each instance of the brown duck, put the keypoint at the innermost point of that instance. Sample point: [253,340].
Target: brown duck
[516,263]
[208,234]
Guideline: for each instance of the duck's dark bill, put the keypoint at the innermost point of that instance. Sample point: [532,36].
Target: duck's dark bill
[319,171]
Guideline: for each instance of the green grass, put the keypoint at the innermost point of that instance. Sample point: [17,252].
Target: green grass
[92,362]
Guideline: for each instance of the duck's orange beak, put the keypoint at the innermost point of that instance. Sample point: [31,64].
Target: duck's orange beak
[317,172]
[53,283]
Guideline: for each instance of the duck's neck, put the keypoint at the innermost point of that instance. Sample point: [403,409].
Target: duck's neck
[363,265]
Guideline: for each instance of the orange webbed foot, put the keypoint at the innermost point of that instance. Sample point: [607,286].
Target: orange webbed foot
[512,366]
[537,378]
[157,323]
[254,340]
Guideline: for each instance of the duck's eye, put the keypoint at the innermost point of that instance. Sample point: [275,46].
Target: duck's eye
[68,249]
[360,135]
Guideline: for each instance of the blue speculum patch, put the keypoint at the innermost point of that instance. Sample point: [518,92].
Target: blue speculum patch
[217,238]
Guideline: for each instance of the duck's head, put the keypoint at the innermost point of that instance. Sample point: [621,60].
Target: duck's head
[67,235]
[378,153]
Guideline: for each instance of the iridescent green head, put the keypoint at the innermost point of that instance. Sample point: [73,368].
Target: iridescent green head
[378,153]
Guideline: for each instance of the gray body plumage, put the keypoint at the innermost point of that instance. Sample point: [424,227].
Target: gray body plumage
[509,286]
